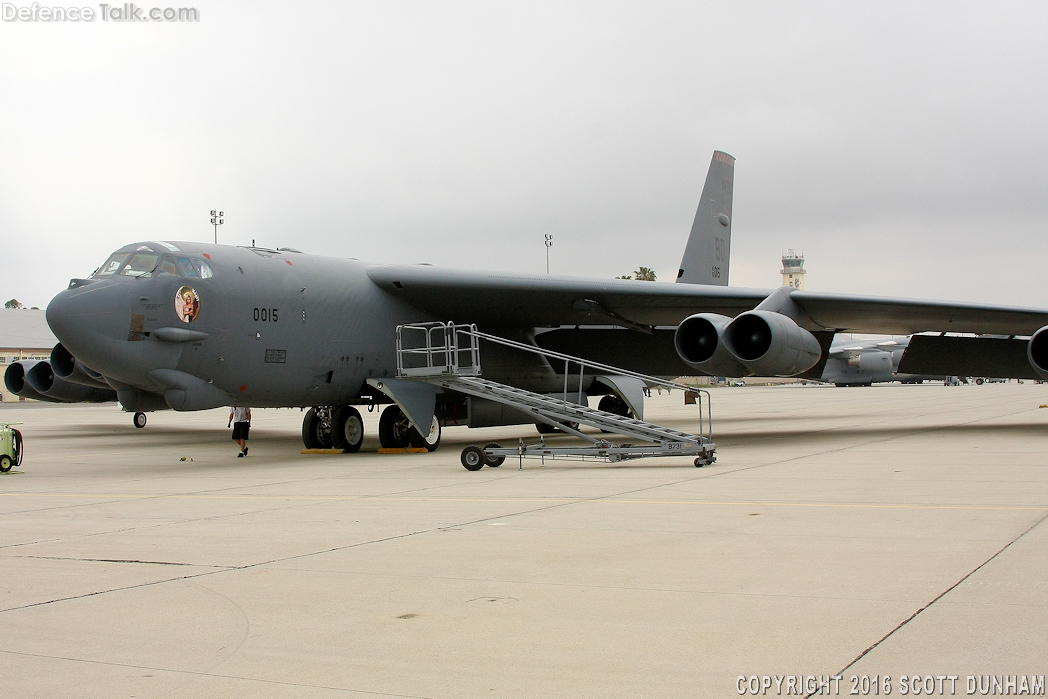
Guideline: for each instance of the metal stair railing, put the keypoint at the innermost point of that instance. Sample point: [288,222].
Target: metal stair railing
[450,350]
[564,411]
[448,354]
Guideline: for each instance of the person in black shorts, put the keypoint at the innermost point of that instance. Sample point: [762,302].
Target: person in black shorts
[240,419]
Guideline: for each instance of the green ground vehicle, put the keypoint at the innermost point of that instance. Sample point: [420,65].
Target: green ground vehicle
[10,446]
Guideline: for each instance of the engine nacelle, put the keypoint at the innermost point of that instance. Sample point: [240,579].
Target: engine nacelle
[67,367]
[41,378]
[874,362]
[771,344]
[1037,352]
[699,342]
[15,380]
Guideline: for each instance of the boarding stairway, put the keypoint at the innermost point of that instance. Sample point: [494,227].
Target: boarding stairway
[448,355]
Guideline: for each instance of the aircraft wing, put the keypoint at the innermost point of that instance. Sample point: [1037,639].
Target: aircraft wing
[509,299]
[538,300]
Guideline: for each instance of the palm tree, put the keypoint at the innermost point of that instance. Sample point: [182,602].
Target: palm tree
[644,274]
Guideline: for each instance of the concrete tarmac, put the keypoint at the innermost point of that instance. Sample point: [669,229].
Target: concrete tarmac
[861,531]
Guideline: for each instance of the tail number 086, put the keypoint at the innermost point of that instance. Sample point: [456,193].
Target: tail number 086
[266,315]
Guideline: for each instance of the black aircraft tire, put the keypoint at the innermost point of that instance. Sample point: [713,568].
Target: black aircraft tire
[348,430]
[429,443]
[495,461]
[140,420]
[613,405]
[393,429]
[473,458]
[309,429]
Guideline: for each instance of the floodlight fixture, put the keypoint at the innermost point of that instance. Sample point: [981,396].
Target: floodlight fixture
[217,220]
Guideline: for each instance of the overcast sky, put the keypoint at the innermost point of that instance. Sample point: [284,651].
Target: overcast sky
[902,146]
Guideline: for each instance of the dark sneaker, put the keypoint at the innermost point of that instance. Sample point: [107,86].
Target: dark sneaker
[245,451]
[240,455]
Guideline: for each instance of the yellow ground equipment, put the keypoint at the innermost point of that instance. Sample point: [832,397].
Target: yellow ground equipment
[10,446]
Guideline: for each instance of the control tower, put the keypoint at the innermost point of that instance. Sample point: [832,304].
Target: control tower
[793,269]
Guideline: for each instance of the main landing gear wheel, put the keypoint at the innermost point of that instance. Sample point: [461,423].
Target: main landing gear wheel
[394,430]
[429,442]
[613,405]
[140,420]
[316,428]
[473,458]
[348,429]
[494,461]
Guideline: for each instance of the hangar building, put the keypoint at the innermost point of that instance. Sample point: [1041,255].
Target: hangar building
[24,334]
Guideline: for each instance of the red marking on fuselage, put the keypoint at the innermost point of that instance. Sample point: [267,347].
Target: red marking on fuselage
[243,387]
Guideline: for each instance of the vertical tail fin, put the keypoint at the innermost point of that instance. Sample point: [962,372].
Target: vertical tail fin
[707,253]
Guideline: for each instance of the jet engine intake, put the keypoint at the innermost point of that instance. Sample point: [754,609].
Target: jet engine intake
[699,342]
[1037,352]
[42,379]
[771,344]
[15,380]
[67,367]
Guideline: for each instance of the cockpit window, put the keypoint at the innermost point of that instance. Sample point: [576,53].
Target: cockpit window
[112,265]
[205,269]
[186,266]
[167,268]
[141,264]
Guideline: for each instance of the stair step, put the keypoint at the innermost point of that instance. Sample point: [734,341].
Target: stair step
[557,408]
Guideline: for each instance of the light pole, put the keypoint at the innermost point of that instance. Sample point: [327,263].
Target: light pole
[216,221]
[549,244]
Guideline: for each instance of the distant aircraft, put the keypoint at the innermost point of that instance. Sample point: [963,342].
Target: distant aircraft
[191,326]
[866,362]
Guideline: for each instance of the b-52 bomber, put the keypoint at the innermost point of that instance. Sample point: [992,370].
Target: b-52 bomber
[191,326]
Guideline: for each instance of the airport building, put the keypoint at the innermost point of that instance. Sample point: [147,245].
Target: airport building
[793,269]
[24,334]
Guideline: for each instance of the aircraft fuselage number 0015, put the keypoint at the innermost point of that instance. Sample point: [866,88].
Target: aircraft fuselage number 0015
[266,315]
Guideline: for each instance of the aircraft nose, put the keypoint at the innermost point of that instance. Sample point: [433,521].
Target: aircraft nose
[87,318]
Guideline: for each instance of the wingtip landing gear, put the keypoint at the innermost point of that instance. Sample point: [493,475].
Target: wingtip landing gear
[139,420]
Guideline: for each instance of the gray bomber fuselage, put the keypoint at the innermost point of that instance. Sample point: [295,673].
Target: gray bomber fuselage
[277,328]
